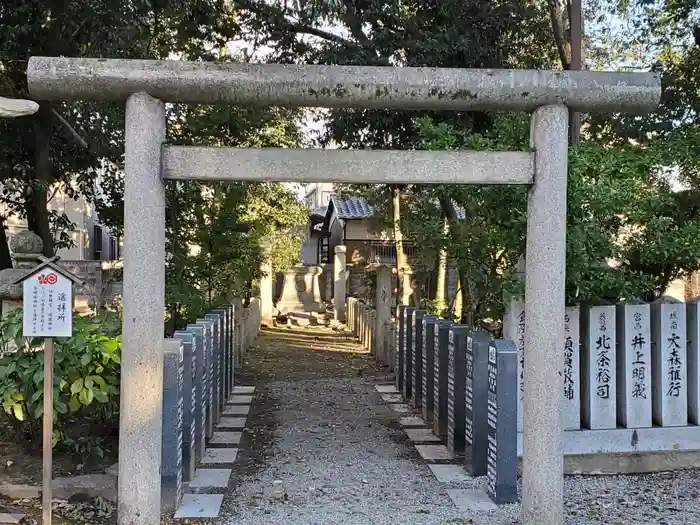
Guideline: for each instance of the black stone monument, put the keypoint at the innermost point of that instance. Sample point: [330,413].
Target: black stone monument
[189,426]
[400,328]
[501,475]
[442,330]
[429,324]
[417,359]
[407,345]
[456,367]
[172,438]
[476,401]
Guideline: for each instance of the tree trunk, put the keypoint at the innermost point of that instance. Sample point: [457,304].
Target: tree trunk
[37,206]
[463,312]
[451,219]
[441,278]
[458,304]
[401,295]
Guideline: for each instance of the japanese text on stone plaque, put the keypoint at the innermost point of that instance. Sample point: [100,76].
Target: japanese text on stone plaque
[48,310]
[568,360]
[639,366]
[603,346]
[469,393]
[521,349]
[674,357]
[492,418]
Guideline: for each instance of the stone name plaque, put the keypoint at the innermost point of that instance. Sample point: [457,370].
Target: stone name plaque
[599,367]
[218,391]
[571,411]
[428,372]
[475,403]
[225,363]
[456,366]
[514,329]
[634,365]
[417,359]
[172,438]
[669,356]
[408,344]
[190,404]
[692,319]
[442,331]
[212,408]
[200,390]
[502,459]
[400,349]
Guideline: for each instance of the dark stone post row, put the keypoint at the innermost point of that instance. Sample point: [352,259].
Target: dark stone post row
[466,385]
[198,378]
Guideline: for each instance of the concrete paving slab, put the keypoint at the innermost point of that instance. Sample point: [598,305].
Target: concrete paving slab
[411,421]
[392,398]
[474,500]
[421,435]
[240,400]
[200,506]
[386,389]
[399,408]
[205,478]
[225,438]
[243,390]
[434,452]
[215,456]
[450,473]
[236,410]
[232,422]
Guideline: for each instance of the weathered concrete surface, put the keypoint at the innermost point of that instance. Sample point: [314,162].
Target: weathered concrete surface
[340,86]
[643,463]
[91,485]
[13,491]
[350,166]
[141,407]
[543,484]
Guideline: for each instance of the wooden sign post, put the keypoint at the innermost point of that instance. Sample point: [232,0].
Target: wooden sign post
[48,312]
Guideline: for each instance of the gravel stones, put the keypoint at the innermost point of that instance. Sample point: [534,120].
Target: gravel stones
[339,457]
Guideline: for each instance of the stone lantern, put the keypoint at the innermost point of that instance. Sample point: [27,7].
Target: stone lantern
[26,248]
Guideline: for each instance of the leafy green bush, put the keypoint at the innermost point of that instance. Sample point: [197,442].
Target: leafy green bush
[86,377]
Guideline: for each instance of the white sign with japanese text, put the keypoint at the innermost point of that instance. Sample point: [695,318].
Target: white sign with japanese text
[48,305]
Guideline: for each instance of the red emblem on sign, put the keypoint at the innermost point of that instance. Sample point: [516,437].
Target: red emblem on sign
[51,278]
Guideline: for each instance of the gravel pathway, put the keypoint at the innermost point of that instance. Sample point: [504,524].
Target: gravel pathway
[340,457]
[323,448]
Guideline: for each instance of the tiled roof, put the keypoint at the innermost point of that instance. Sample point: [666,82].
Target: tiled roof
[351,207]
[358,208]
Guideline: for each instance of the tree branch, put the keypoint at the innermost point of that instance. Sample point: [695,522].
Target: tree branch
[293,26]
[74,134]
[353,21]
[558,17]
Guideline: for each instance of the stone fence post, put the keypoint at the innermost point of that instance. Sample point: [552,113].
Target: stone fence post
[383,305]
[266,292]
[339,272]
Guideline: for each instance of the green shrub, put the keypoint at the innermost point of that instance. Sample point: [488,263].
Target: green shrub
[86,378]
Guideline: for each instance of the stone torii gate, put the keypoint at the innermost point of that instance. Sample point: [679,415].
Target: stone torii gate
[147,85]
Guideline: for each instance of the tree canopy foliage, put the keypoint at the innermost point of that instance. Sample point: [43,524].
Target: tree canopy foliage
[633,190]
[630,230]
[215,232]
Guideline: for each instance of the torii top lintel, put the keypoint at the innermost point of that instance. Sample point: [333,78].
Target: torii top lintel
[59,78]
